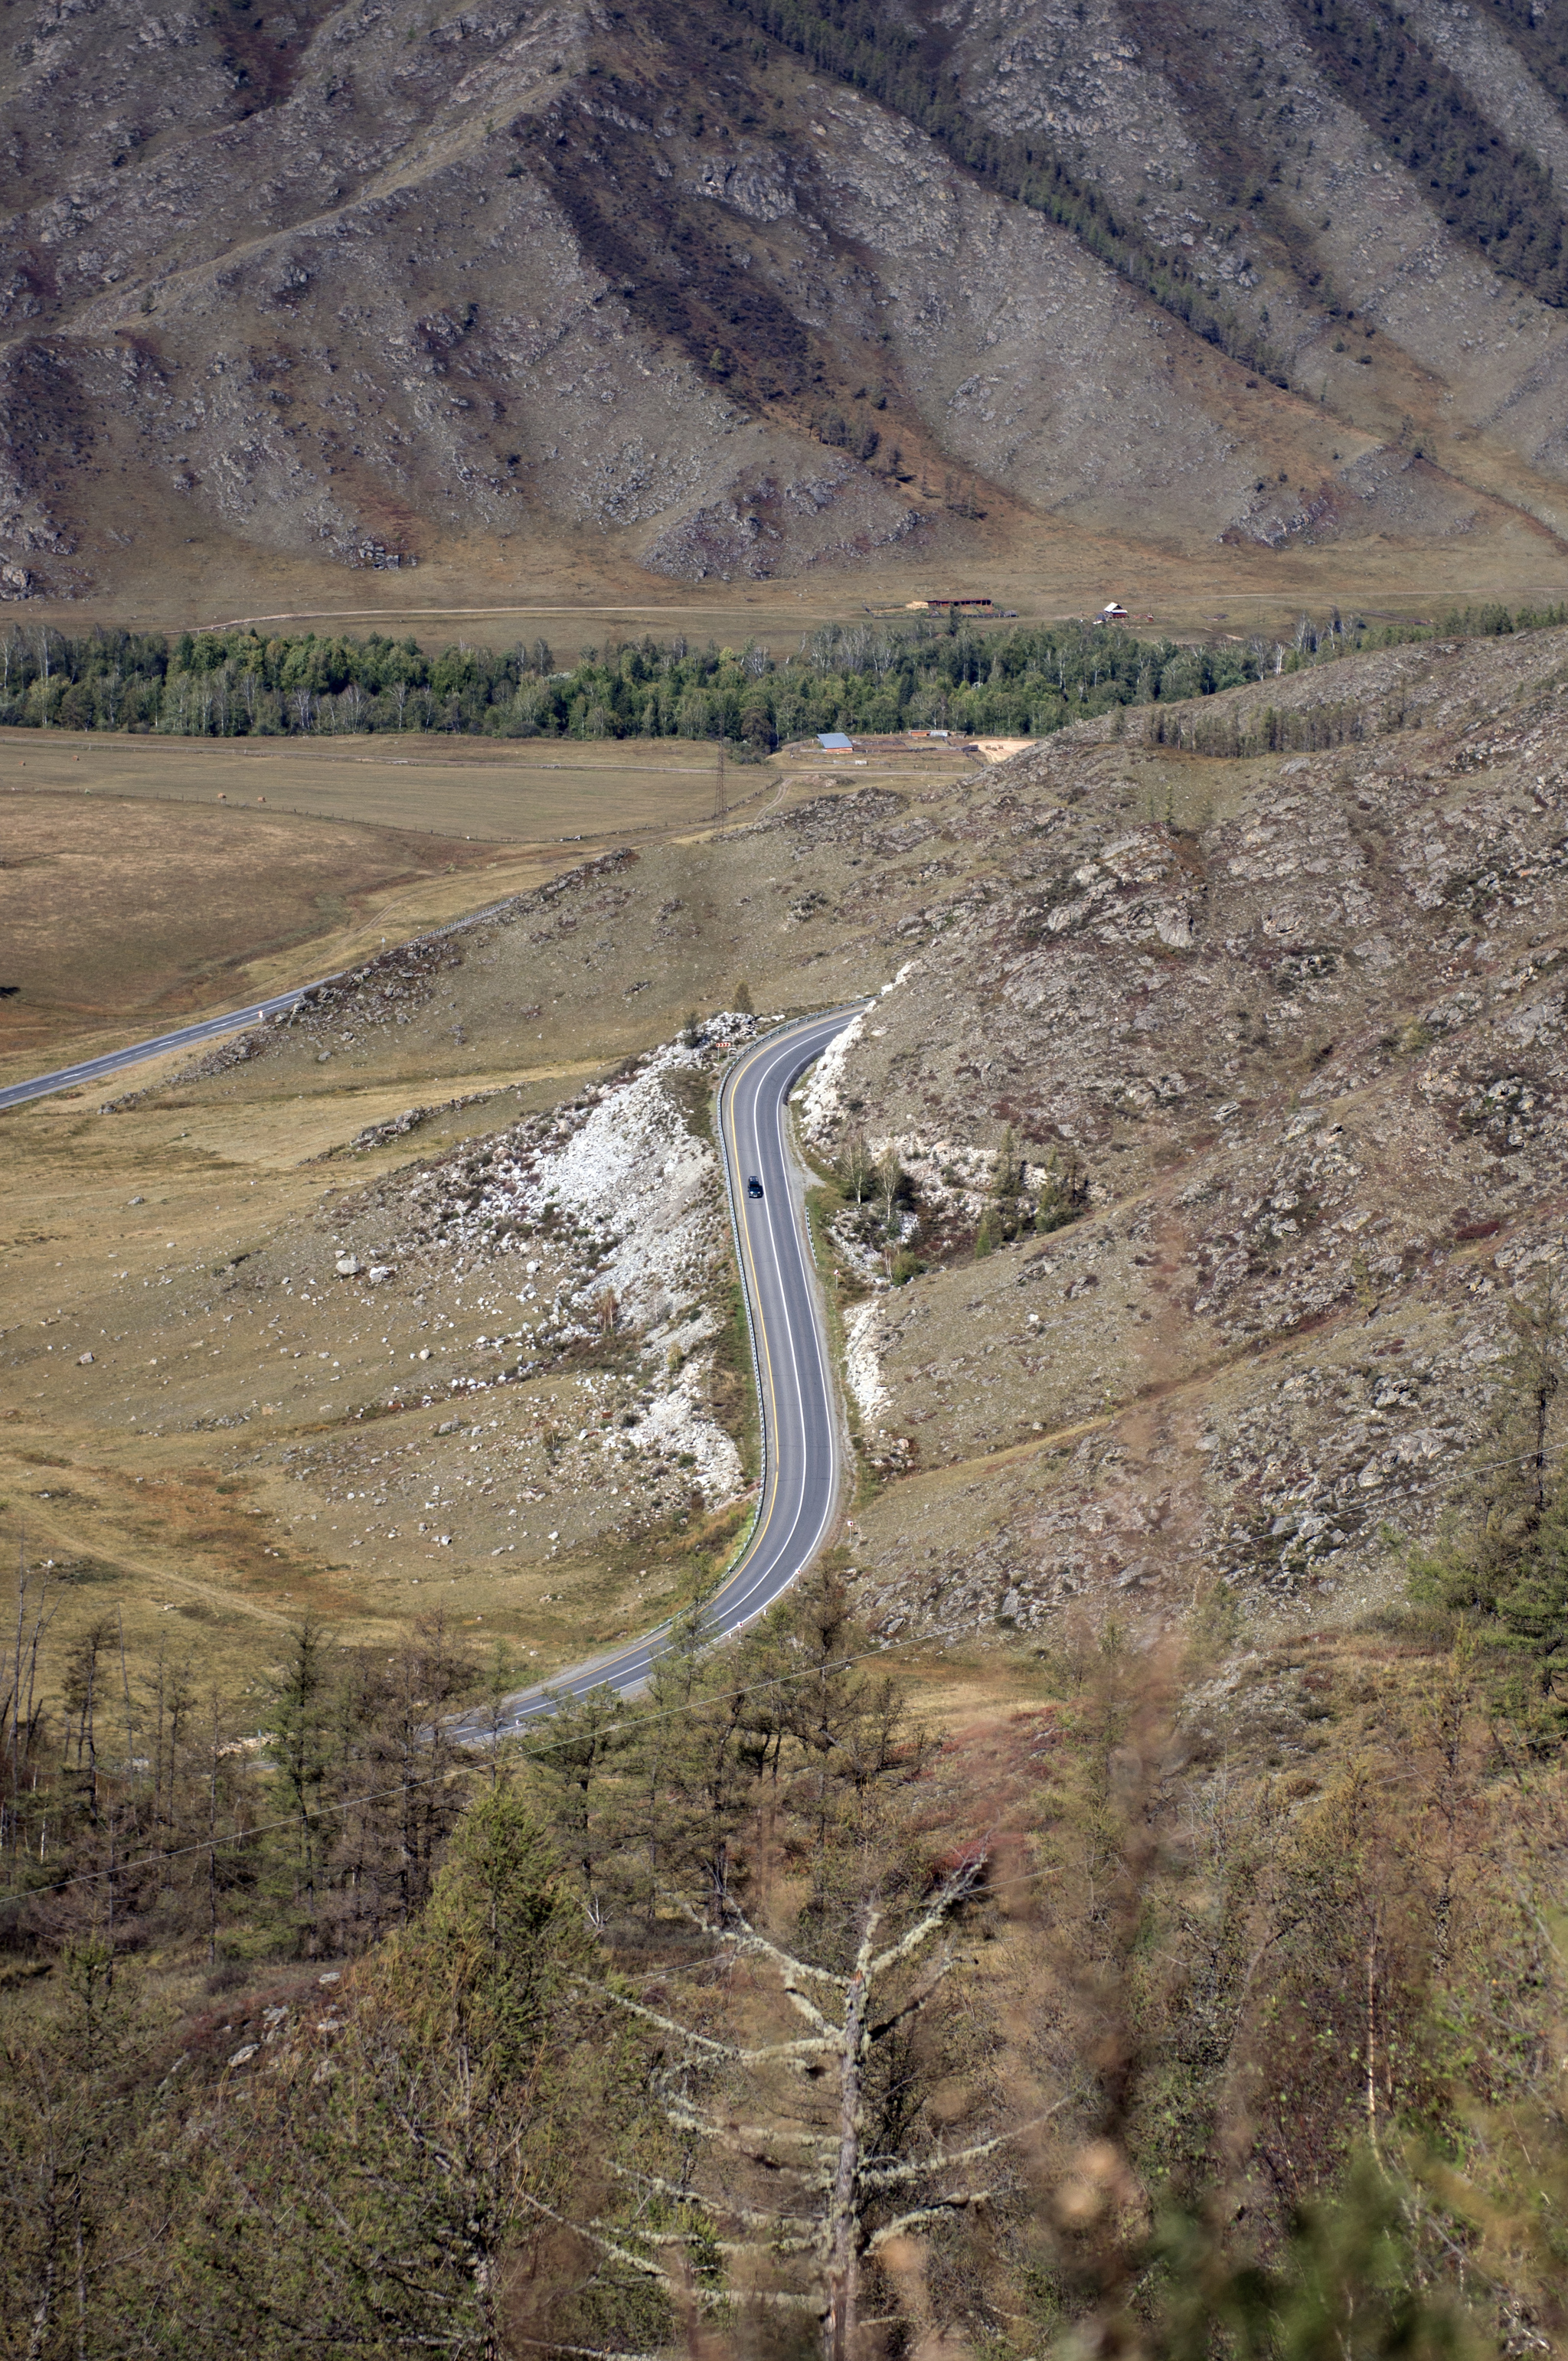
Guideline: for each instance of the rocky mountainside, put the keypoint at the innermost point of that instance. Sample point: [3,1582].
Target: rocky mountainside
[758,286]
[1293,1026]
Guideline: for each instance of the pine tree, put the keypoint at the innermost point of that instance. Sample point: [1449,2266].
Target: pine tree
[1533,1608]
[572,1759]
[1505,1495]
[82,2205]
[385,2186]
[1060,1196]
[303,1716]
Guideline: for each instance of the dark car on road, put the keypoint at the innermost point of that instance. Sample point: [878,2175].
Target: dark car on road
[754,1187]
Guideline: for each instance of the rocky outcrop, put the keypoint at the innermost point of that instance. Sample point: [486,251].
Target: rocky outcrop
[1299,1023]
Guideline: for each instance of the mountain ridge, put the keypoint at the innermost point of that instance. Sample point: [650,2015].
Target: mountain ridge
[530,291]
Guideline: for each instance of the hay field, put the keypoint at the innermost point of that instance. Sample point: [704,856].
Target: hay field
[510,792]
[147,879]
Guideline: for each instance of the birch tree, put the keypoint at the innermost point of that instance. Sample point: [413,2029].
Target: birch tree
[857,1167]
[891,1184]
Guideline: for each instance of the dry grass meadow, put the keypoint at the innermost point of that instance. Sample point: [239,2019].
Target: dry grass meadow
[1046,568]
[147,880]
[184,1241]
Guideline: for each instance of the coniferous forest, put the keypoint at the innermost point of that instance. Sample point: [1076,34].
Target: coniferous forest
[753,2017]
[871,676]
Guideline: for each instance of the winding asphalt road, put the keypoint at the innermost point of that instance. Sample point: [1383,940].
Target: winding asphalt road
[803,1458]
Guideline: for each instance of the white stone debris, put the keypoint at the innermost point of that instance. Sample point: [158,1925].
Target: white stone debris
[862,1361]
[638,1197]
[821,1101]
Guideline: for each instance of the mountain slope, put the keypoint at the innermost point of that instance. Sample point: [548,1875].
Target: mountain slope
[1223,1061]
[1291,1023]
[670,293]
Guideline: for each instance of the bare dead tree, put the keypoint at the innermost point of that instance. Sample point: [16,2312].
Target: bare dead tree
[18,1700]
[848,2199]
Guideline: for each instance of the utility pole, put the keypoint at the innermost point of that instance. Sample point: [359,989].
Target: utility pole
[720,804]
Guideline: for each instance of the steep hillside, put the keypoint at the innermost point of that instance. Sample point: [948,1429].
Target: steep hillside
[1284,1032]
[1185,1191]
[750,288]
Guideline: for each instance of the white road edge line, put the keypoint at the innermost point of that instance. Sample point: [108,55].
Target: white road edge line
[626,1669]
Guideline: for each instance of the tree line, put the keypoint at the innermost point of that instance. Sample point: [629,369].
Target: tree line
[867,677]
